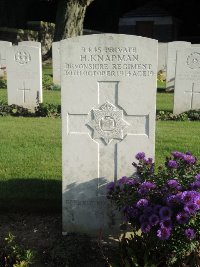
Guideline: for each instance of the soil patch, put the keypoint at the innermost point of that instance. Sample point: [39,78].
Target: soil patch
[42,233]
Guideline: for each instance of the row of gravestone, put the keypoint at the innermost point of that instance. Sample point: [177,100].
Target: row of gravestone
[108,97]
[23,65]
[181,62]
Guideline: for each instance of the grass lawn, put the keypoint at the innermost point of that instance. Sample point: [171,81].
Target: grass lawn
[176,135]
[30,159]
[30,173]
[164,100]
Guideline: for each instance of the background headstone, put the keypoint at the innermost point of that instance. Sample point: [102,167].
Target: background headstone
[56,62]
[162,56]
[3,46]
[108,88]
[172,48]
[187,82]
[24,76]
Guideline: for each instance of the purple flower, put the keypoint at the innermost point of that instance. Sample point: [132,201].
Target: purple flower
[191,208]
[190,233]
[165,213]
[177,154]
[182,217]
[153,220]
[173,200]
[110,186]
[132,182]
[146,186]
[164,233]
[189,159]
[142,203]
[140,155]
[172,164]
[197,200]
[145,227]
[148,161]
[188,196]
[195,185]
[173,183]
[197,177]
[166,224]
[188,153]
[123,180]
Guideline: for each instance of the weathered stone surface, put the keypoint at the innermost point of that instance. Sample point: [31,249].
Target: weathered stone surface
[108,85]
[187,82]
[173,47]
[162,56]
[24,76]
[56,62]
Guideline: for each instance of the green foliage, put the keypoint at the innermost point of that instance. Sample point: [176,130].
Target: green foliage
[13,255]
[13,110]
[47,110]
[3,83]
[47,82]
[191,115]
[42,110]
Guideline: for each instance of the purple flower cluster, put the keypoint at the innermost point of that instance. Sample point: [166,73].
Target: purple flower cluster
[160,209]
[140,155]
[187,158]
[172,164]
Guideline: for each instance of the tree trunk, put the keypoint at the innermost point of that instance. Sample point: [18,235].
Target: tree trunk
[69,18]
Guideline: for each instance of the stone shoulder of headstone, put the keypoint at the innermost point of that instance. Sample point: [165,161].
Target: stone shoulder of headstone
[30,43]
[108,96]
[187,82]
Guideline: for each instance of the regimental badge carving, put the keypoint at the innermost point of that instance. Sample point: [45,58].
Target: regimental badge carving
[22,57]
[193,60]
[108,123]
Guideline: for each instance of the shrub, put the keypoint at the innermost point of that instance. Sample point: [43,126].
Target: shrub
[191,115]
[3,83]
[47,110]
[12,255]
[47,82]
[163,210]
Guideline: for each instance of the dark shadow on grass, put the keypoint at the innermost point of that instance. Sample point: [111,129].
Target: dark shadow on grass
[163,90]
[30,195]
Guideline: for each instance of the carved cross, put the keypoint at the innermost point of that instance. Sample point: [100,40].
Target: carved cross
[192,94]
[24,89]
[107,124]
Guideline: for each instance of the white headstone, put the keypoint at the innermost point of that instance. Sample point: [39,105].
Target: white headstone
[24,76]
[108,85]
[162,56]
[56,62]
[3,46]
[173,47]
[187,82]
